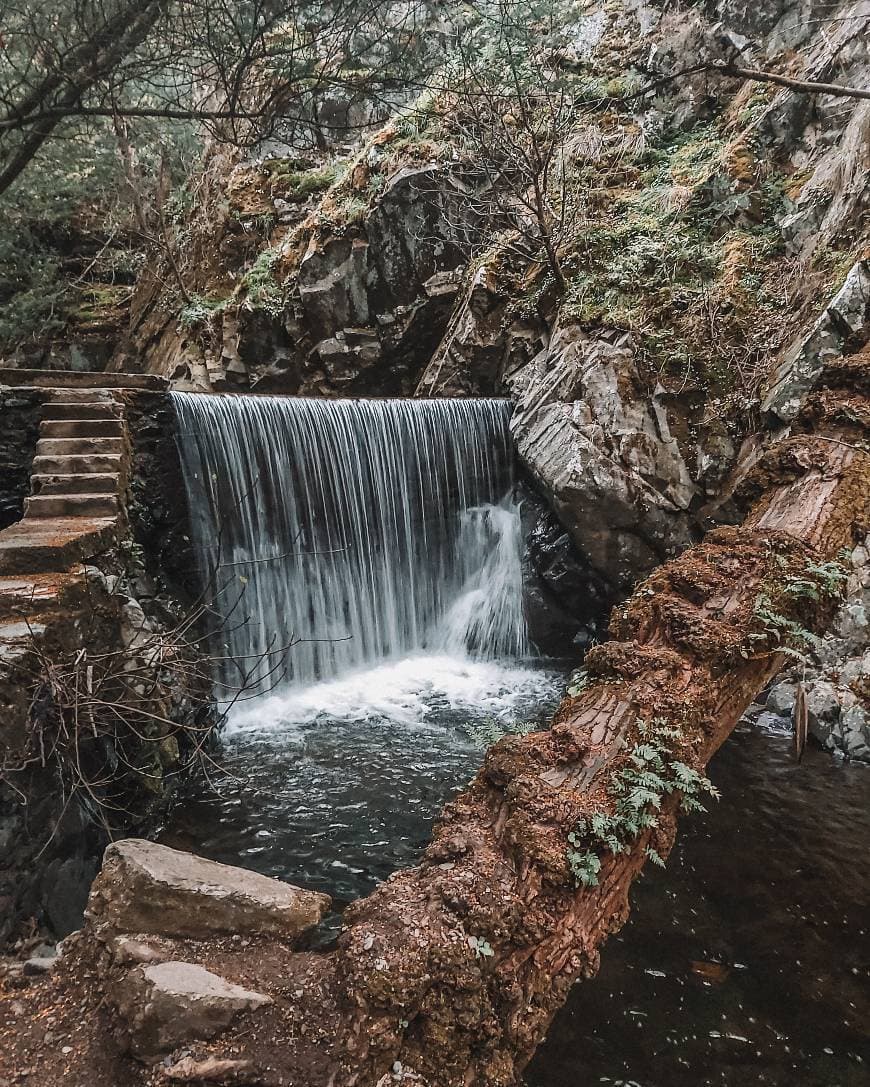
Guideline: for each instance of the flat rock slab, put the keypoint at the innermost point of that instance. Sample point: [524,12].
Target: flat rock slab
[171,1003]
[148,888]
[79,379]
[38,546]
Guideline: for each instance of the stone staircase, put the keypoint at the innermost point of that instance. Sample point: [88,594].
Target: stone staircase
[73,513]
[77,471]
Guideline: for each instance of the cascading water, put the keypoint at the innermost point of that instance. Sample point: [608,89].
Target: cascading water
[365,562]
[339,533]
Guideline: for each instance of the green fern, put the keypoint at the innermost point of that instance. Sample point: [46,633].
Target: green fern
[637,791]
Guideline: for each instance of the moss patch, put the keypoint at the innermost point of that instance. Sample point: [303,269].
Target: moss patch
[681,247]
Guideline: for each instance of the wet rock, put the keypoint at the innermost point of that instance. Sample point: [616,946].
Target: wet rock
[166,1005]
[822,702]
[854,739]
[148,888]
[565,603]
[781,699]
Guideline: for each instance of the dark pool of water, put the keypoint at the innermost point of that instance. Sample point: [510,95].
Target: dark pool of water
[773,884]
[339,784]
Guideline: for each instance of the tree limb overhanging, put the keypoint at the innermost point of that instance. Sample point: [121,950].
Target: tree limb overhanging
[734,71]
[803,86]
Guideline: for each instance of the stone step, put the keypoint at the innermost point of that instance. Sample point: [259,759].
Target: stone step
[70,465]
[71,505]
[50,545]
[76,483]
[27,595]
[62,447]
[81,396]
[81,428]
[63,409]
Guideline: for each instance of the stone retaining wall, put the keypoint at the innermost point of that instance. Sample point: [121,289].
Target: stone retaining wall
[157,504]
[20,413]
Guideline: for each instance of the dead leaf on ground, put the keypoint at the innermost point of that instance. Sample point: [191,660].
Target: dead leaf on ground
[714,972]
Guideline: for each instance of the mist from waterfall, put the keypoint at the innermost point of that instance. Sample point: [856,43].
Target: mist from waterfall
[341,535]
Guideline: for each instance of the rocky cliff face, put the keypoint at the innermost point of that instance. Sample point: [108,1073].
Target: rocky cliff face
[720,262]
[348,297]
[719,258]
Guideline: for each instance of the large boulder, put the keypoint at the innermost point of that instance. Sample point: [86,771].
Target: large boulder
[602,452]
[148,888]
[172,1003]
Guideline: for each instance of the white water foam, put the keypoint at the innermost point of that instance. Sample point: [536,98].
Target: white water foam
[408,692]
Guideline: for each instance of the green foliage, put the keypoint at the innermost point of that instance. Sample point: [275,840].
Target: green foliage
[664,238]
[820,580]
[262,290]
[180,204]
[492,729]
[352,209]
[68,219]
[33,295]
[200,310]
[784,634]
[295,182]
[420,120]
[814,582]
[637,791]
[585,865]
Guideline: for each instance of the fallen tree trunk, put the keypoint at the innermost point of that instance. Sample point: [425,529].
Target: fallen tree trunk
[450,972]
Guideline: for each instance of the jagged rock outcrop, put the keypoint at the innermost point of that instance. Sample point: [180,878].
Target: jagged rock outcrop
[352,300]
[846,316]
[602,452]
[485,341]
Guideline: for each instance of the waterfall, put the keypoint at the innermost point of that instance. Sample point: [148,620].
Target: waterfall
[336,534]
